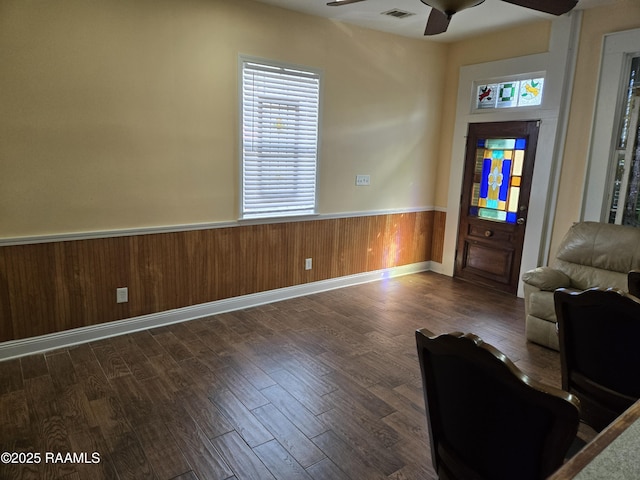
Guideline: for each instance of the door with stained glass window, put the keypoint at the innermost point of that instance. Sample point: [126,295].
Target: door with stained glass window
[493,216]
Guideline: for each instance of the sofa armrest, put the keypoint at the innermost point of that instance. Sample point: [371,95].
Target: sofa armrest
[546,278]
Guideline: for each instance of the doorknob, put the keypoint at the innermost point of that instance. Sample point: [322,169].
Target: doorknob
[520,221]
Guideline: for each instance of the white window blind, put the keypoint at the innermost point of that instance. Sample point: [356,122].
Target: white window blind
[280,109]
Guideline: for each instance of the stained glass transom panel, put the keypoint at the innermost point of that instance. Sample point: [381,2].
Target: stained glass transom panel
[516,93]
[497,179]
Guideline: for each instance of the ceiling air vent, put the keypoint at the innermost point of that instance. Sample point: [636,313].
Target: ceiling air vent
[398,13]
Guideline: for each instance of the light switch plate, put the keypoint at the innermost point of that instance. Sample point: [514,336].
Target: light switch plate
[363,180]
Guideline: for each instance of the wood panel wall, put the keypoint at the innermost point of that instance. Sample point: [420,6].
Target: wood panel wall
[437,243]
[52,287]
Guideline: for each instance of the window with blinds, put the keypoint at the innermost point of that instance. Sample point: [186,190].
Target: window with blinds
[280,116]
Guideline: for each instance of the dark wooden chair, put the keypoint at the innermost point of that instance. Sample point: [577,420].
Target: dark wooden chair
[599,331]
[633,280]
[487,420]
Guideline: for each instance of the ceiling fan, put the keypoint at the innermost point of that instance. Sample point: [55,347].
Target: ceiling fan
[443,10]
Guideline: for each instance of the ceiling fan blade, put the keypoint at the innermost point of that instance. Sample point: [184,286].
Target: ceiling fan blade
[555,7]
[437,23]
[337,3]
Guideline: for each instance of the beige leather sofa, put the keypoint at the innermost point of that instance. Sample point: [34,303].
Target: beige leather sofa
[591,255]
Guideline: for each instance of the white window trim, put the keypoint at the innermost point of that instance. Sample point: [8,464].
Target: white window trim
[617,50]
[277,212]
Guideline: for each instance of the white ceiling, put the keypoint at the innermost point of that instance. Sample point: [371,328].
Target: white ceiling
[492,14]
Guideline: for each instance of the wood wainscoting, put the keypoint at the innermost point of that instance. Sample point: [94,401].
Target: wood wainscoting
[52,287]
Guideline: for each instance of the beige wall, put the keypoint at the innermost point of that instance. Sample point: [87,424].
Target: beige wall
[596,23]
[119,115]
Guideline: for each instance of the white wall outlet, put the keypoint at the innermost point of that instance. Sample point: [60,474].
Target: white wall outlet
[122,295]
[363,180]
[308,263]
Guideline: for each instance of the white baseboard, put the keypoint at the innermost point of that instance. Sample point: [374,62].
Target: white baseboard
[67,338]
[437,268]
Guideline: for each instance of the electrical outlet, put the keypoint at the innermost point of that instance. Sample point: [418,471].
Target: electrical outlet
[122,295]
[308,263]
[363,180]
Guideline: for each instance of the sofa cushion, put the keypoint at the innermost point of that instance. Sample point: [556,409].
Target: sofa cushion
[584,277]
[602,246]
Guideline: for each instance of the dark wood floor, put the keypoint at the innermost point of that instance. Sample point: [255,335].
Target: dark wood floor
[320,387]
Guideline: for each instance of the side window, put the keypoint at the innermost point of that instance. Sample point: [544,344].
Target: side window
[279,121]
[613,171]
[625,195]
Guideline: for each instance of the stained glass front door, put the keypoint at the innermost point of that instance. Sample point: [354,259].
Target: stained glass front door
[494,206]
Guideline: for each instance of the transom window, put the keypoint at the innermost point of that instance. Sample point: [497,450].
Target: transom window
[280,118]
[510,93]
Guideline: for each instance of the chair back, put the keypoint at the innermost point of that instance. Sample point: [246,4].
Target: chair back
[487,420]
[599,331]
[633,282]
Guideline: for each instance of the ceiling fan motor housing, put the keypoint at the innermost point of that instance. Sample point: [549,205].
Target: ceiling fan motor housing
[449,7]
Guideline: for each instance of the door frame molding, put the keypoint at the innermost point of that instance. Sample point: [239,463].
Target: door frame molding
[559,66]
